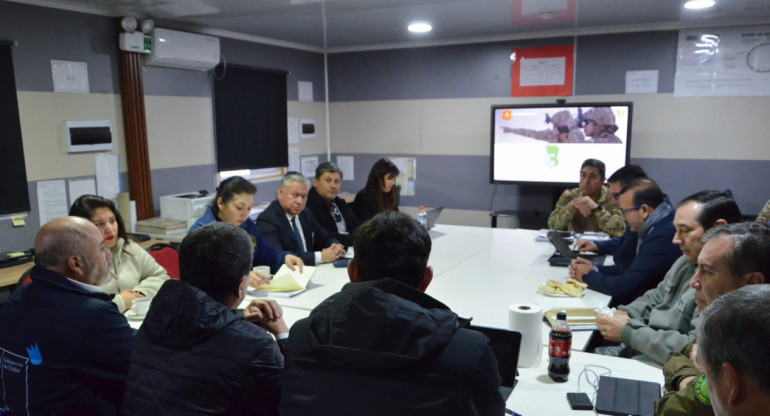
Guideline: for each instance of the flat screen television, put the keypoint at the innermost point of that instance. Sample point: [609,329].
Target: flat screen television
[547,143]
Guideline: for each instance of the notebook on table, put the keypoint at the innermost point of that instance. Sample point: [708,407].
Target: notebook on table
[622,396]
[564,254]
[505,345]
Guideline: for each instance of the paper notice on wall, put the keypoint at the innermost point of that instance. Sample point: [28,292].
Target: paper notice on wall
[294,165]
[728,61]
[309,163]
[107,175]
[642,82]
[51,200]
[305,91]
[407,177]
[293,129]
[79,187]
[542,71]
[345,163]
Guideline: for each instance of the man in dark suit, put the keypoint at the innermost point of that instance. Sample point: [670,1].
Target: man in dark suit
[288,226]
[330,211]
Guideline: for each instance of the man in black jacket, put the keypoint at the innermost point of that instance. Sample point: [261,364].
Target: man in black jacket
[330,211]
[381,346]
[64,347]
[288,226]
[194,353]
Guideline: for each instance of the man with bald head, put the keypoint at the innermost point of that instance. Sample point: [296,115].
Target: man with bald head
[64,345]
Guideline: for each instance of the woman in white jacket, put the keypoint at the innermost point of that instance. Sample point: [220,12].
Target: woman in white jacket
[133,273]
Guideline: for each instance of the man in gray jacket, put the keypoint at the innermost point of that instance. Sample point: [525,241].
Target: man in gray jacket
[664,319]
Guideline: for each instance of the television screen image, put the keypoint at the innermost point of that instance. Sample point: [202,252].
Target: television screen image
[547,143]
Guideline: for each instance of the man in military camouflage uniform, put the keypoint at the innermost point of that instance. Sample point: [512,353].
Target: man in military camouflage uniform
[732,257]
[565,130]
[588,207]
[599,125]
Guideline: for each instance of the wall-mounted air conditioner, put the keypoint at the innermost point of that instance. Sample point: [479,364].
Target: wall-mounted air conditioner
[171,48]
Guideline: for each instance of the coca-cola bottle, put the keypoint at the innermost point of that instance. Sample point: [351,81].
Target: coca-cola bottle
[559,345]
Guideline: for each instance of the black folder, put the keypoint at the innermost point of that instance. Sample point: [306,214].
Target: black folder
[621,397]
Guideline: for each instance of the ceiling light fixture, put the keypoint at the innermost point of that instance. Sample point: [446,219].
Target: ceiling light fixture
[420,27]
[699,4]
[547,15]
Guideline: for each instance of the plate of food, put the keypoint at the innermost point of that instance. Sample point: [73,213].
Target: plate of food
[570,288]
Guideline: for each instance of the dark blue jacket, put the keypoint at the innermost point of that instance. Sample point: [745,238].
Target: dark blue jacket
[654,256]
[196,356]
[63,348]
[278,232]
[622,249]
[264,253]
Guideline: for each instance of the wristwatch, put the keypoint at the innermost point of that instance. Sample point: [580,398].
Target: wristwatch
[599,207]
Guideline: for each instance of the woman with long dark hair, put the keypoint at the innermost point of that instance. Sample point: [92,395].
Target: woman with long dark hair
[134,273]
[232,204]
[380,193]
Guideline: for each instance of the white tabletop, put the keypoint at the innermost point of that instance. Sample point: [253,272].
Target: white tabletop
[537,394]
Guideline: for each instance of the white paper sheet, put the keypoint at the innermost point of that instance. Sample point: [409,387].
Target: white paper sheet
[107,175]
[642,82]
[718,62]
[293,129]
[78,187]
[51,200]
[309,163]
[294,165]
[305,91]
[542,71]
[345,163]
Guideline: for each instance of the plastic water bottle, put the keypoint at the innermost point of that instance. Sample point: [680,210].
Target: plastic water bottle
[422,217]
[559,345]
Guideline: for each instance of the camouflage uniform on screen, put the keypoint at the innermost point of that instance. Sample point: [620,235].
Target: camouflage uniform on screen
[567,217]
[693,399]
[764,215]
[562,119]
[603,116]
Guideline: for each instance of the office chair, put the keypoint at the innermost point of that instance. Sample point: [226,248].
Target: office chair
[167,256]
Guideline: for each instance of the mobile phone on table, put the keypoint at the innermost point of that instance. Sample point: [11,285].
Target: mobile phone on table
[579,401]
[341,262]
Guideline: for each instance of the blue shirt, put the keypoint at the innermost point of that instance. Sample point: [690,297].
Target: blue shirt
[264,254]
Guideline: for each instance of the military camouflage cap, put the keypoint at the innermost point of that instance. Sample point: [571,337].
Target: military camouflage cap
[601,115]
[563,118]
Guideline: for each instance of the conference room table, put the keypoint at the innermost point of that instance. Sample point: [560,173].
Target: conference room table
[479,273]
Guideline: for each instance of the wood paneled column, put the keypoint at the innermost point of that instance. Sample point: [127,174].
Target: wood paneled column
[135,132]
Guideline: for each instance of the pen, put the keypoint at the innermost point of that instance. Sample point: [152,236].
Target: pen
[511,412]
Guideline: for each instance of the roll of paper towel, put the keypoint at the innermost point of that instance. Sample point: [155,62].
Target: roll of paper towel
[527,318]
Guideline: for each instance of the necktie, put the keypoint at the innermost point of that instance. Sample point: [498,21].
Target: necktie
[297,236]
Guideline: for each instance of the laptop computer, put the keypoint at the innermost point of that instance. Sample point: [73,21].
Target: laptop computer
[433,216]
[505,345]
[564,254]
[621,396]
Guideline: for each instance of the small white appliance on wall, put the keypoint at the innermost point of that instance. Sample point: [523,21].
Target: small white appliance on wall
[184,50]
[88,136]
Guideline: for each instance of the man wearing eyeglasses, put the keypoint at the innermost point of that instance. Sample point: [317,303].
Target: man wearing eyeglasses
[646,212]
[330,211]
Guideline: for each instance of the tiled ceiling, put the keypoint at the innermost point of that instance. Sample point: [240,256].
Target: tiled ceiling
[368,24]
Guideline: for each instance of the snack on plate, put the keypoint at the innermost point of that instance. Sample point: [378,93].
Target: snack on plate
[572,288]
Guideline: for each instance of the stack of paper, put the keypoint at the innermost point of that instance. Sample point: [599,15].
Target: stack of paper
[161,226]
[286,280]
